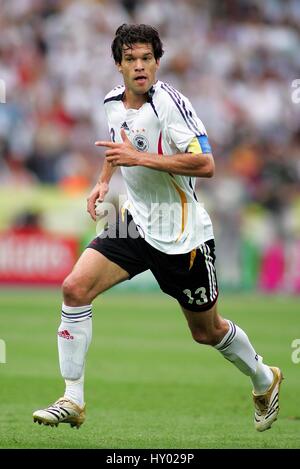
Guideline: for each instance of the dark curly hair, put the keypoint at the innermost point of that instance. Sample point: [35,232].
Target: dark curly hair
[129,34]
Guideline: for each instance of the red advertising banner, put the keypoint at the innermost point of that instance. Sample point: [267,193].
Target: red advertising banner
[35,257]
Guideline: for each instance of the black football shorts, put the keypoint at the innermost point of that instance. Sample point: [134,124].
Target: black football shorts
[189,278]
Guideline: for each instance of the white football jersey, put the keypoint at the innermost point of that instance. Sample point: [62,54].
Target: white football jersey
[163,205]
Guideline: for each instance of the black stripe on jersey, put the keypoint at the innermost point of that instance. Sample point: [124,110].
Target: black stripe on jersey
[153,107]
[191,186]
[190,115]
[178,107]
[181,107]
[187,112]
[150,100]
[119,97]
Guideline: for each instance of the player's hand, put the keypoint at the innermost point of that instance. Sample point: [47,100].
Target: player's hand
[121,154]
[98,193]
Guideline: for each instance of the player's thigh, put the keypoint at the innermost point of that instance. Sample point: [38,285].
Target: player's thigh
[190,278]
[94,273]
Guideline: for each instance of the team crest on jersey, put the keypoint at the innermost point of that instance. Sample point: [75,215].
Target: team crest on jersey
[140,142]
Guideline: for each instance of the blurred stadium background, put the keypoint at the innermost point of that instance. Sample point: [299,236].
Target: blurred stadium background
[237,61]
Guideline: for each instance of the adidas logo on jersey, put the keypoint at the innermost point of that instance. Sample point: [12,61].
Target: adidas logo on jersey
[65,335]
[124,126]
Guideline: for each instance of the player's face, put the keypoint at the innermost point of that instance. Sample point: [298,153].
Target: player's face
[138,68]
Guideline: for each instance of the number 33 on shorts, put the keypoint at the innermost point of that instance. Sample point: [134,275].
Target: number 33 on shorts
[199,297]
[203,272]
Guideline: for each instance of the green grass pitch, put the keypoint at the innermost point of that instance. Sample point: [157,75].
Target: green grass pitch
[148,385]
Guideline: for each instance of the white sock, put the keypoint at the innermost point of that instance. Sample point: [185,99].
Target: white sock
[263,378]
[236,347]
[74,390]
[74,338]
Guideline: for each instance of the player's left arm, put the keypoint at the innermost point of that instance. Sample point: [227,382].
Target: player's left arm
[197,161]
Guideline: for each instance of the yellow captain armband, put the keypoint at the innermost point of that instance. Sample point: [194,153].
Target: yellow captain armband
[199,144]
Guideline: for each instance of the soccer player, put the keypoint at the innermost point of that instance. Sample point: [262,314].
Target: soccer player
[161,146]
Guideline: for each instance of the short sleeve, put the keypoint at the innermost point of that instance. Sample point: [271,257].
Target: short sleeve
[181,121]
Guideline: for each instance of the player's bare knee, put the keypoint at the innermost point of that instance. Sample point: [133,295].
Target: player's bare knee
[205,337]
[200,337]
[74,292]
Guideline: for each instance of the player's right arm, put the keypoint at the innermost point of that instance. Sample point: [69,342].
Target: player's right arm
[100,189]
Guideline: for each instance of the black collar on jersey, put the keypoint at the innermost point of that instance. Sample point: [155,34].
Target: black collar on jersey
[150,93]
[119,97]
